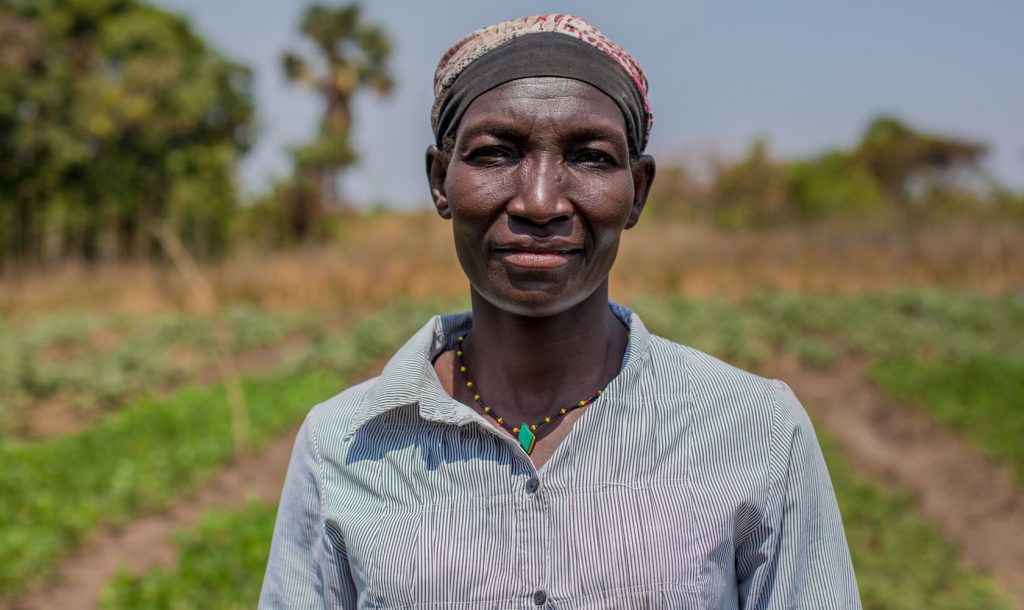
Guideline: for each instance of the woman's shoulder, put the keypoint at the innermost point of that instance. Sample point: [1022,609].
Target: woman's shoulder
[716,387]
[334,416]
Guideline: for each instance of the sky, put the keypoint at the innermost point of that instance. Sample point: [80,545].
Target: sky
[806,75]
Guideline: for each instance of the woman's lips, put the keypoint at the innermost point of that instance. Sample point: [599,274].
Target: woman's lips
[535,260]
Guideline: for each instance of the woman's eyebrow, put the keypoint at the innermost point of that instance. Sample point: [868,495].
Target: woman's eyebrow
[592,133]
[502,132]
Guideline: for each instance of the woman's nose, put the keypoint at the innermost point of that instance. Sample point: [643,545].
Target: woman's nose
[541,192]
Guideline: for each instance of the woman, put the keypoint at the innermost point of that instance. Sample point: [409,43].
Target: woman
[545,450]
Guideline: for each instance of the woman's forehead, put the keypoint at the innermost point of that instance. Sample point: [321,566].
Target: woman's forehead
[564,103]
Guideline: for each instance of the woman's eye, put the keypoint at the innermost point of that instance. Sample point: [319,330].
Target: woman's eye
[591,156]
[490,155]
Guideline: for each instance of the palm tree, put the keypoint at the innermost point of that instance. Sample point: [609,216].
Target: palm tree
[354,56]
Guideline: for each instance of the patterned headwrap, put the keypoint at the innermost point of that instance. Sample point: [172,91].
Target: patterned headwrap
[540,45]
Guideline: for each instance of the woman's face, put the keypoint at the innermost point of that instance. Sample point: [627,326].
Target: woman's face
[539,187]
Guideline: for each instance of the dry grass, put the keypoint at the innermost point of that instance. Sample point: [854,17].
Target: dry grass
[389,256]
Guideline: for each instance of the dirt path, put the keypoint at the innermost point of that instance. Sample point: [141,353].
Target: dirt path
[144,544]
[52,417]
[974,502]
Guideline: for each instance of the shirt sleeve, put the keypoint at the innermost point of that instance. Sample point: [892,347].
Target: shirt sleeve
[797,556]
[308,567]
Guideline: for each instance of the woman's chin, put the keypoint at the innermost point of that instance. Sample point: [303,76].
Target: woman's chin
[535,299]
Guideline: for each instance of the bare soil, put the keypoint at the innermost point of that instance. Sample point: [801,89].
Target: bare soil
[970,499]
[973,501]
[53,417]
[144,544]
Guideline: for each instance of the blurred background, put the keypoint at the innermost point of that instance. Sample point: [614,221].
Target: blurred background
[213,215]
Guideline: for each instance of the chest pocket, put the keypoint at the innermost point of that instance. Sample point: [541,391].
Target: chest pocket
[630,546]
[466,556]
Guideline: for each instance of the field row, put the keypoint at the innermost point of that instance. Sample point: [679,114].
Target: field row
[959,357]
[901,562]
[149,453]
[91,365]
[949,354]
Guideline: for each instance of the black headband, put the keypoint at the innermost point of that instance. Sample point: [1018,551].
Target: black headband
[545,54]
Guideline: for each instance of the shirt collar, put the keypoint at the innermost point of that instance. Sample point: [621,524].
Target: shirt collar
[409,377]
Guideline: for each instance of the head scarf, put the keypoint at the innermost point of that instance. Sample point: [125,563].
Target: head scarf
[540,45]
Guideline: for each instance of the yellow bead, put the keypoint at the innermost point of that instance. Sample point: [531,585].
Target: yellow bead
[459,352]
[462,369]
[476,397]
[533,427]
[461,337]
[515,430]
[501,421]
[547,420]
[469,384]
[487,409]
[600,391]
[563,411]
[583,403]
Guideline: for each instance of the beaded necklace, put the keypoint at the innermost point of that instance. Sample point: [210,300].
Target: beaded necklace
[525,433]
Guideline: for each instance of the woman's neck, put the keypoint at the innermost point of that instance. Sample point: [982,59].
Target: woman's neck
[528,367]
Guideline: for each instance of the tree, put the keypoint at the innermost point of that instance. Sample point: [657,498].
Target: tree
[113,113]
[900,158]
[751,191]
[354,55]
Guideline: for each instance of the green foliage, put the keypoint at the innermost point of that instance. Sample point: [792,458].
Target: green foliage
[149,453]
[900,560]
[750,192]
[896,155]
[220,565]
[832,185]
[113,113]
[355,55]
[975,394]
[717,327]
[953,354]
[956,355]
[139,459]
[950,351]
[890,168]
[96,363]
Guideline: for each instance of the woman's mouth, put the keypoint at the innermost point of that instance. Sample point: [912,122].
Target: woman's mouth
[536,259]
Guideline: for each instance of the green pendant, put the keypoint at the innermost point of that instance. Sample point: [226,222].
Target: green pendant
[526,437]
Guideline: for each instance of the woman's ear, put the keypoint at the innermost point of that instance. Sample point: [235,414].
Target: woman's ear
[643,178]
[437,172]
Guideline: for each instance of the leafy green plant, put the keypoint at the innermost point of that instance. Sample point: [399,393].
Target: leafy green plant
[900,561]
[976,395]
[955,355]
[220,565]
[57,356]
[720,328]
[53,494]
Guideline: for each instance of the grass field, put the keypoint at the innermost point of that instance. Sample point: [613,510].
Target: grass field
[901,561]
[153,450]
[951,354]
[222,559]
[148,421]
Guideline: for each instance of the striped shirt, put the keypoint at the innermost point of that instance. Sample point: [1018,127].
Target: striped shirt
[687,484]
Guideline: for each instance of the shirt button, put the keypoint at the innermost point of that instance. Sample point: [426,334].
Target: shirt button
[539,598]
[531,487]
